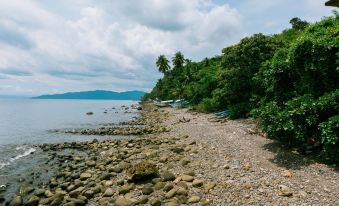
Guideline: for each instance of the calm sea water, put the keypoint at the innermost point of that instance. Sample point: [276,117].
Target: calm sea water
[25,122]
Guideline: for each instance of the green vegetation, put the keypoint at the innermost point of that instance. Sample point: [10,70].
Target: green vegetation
[288,81]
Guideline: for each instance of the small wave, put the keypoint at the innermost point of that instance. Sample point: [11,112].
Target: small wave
[4,164]
[27,152]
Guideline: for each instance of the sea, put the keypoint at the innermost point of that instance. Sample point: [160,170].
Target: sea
[25,122]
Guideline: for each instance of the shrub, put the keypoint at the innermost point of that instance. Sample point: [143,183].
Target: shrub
[304,118]
[329,134]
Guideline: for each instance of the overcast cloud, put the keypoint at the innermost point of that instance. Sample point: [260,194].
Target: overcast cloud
[53,46]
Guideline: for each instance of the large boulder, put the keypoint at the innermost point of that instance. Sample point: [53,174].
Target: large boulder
[142,171]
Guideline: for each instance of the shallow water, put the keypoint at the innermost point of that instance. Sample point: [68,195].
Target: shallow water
[27,121]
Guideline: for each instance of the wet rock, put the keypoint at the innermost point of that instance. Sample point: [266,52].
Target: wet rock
[194,199]
[121,201]
[33,201]
[142,171]
[56,201]
[39,192]
[2,199]
[197,183]
[16,201]
[168,176]
[26,189]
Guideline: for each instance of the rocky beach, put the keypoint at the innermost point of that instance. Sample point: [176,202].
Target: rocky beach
[174,157]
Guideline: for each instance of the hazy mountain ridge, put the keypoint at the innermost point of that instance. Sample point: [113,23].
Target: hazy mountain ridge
[98,94]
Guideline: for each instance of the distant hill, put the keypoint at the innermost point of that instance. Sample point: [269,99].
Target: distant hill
[98,94]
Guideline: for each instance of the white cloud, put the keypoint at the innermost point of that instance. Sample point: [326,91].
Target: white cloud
[76,45]
[91,44]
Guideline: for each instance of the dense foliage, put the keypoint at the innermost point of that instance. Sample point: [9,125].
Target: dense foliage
[288,81]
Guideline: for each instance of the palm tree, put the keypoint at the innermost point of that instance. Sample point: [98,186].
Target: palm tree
[178,60]
[163,64]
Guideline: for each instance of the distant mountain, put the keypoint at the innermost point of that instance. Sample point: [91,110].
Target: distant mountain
[98,94]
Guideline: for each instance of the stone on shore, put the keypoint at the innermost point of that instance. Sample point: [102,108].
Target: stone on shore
[16,201]
[122,201]
[142,170]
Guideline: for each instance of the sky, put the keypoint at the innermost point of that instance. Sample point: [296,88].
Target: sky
[49,46]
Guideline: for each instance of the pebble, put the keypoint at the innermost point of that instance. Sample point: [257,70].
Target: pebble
[146,190]
[187,178]
[109,192]
[84,176]
[171,193]
[194,199]
[284,191]
[121,201]
[168,176]
[197,183]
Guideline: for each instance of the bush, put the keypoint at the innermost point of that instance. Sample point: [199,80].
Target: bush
[302,119]
[329,134]
[240,110]
[206,105]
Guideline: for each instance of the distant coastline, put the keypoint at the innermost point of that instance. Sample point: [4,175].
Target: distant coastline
[95,95]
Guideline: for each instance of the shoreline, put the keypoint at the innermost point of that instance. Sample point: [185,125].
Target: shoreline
[193,161]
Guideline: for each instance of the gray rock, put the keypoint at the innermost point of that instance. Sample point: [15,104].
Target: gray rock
[84,176]
[125,188]
[194,199]
[187,178]
[142,171]
[109,192]
[171,193]
[197,183]
[168,187]
[168,176]
[121,201]
[159,185]
[106,176]
[146,190]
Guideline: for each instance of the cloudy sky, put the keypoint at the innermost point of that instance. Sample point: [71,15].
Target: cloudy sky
[77,45]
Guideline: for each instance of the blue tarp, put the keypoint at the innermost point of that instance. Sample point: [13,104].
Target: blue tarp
[223,113]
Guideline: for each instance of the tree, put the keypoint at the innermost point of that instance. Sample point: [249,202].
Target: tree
[163,64]
[298,24]
[178,60]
